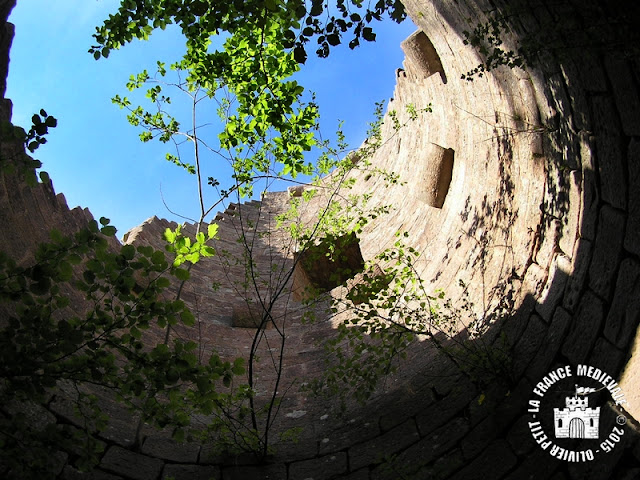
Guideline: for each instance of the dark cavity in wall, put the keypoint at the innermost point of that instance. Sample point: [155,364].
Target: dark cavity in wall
[322,267]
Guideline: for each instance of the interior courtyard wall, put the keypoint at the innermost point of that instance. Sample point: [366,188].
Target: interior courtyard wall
[542,207]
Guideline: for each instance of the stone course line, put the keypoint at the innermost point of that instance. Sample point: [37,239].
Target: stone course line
[541,208]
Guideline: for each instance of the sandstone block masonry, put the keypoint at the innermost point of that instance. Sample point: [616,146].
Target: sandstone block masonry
[541,209]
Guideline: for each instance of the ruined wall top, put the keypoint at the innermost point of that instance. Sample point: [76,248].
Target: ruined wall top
[524,185]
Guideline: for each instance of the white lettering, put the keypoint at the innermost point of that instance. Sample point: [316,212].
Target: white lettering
[534,406]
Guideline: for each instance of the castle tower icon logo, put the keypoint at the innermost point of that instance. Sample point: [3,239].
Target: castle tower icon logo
[577,420]
[588,425]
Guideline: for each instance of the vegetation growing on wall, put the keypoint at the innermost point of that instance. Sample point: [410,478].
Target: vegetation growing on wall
[267,128]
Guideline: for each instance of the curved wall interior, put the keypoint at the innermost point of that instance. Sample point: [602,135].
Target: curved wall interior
[528,193]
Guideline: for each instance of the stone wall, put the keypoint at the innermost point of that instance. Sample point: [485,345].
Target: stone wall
[542,208]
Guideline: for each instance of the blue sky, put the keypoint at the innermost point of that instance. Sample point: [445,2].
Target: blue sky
[94,156]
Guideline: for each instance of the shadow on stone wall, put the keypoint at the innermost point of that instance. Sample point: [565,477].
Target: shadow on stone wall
[576,300]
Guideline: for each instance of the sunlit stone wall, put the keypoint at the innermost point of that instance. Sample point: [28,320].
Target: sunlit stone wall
[524,185]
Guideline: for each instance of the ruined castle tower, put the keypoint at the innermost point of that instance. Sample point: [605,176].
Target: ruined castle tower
[522,184]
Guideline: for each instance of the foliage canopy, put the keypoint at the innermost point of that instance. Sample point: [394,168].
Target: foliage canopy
[267,128]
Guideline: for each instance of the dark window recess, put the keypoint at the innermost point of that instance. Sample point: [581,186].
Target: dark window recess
[434,177]
[321,268]
[421,58]
[248,316]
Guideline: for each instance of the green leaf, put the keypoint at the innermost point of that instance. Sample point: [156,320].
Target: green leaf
[333,39]
[170,235]
[74,259]
[368,35]
[238,366]
[212,230]
[193,257]
[299,54]
[173,375]
[187,318]
[108,231]
[128,251]
[181,274]
[203,384]
[65,270]
[158,257]
[41,287]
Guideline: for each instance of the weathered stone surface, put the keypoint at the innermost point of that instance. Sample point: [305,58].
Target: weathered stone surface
[632,234]
[319,468]
[249,315]
[422,59]
[349,434]
[553,291]
[362,474]
[504,407]
[432,446]
[191,472]
[519,436]
[558,92]
[496,186]
[636,451]
[488,400]
[536,466]
[592,72]
[606,251]
[586,323]
[131,465]
[419,468]
[121,427]
[497,458]
[444,466]
[579,105]
[550,345]
[167,449]
[6,38]
[434,175]
[610,155]
[597,470]
[631,474]
[528,345]
[590,201]
[444,410]
[575,284]
[624,313]
[571,214]
[532,285]
[265,472]
[629,380]
[477,439]
[625,93]
[393,441]
[606,357]
[70,473]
